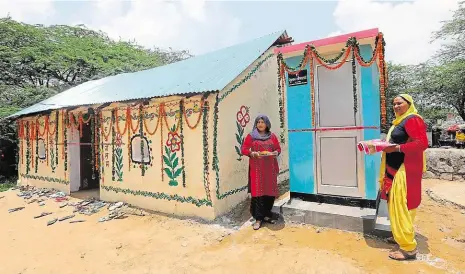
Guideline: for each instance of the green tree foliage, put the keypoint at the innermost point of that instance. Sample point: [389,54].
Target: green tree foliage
[39,61]
[64,55]
[453,33]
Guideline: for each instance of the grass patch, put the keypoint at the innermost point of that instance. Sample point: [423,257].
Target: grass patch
[7,183]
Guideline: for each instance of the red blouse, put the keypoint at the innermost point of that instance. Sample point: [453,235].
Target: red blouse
[263,170]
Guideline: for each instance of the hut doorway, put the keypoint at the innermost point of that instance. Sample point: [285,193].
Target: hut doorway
[84,179]
[89,177]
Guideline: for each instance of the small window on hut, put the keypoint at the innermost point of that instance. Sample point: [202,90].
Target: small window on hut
[137,148]
[42,152]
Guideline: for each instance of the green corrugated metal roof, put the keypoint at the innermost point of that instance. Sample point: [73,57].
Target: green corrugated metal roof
[208,72]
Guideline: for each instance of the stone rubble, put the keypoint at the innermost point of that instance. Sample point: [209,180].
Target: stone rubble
[117,210]
[445,164]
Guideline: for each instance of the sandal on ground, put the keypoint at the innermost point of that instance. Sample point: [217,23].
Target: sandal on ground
[269,220]
[401,255]
[257,225]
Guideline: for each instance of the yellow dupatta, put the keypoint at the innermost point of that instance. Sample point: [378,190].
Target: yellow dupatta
[412,110]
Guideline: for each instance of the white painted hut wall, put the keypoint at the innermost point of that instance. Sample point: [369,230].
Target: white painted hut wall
[260,93]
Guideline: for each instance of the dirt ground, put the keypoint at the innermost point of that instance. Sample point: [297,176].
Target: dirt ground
[159,244]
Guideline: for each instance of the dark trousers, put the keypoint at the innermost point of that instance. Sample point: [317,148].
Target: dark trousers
[260,207]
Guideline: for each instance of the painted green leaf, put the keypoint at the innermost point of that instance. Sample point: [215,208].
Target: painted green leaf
[172,156]
[238,150]
[167,151]
[238,138]
[178,172]
[169,173]
[239,128]
[175,163]
[167,161]
[173,128]
[173,183]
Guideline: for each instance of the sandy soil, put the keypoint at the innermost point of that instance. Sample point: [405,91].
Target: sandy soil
[159,244]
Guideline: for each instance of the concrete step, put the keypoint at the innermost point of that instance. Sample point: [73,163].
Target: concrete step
[327,215]
[382,223]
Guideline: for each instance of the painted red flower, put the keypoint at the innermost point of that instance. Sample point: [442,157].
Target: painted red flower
[174,141]
[118,141]
[242,116]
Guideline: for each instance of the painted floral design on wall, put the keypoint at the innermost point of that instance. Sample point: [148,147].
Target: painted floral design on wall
[242,119]
[174,141]
[119,157]
[171,160]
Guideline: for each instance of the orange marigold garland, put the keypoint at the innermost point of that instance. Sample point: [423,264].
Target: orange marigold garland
[166,120]
[311,53]
[382,81]
[134,130]
[184,111]
[126,123]
[151,133]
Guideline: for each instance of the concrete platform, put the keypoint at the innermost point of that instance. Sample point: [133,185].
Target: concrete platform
[328,215]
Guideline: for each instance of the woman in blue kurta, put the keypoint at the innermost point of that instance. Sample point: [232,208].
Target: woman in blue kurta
[262,146]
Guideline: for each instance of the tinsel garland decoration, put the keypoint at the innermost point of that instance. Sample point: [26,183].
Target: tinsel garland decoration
[128,148]
[354,82]
[21,139]
[63,125]
[246,78]
[28,150]
[65,144]
[57,122]
[352,45]
[159,195]
[141,133]
[161,108]
[45,179]
[206,151]
[181,109]
[215,160]
[32,137]
[281,98]
[37,146]
[53,144]
[92,147]
[113,139]
[96,141]
[312,89]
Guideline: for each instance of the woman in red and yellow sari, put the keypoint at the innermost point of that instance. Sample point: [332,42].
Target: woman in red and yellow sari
[262,146]
[402,166]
